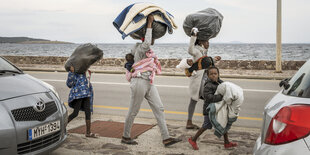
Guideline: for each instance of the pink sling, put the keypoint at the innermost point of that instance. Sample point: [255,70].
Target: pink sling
[150,63]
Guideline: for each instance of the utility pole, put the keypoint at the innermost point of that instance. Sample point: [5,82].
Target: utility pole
[279,40]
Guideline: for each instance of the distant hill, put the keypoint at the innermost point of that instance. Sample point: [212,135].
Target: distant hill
[26,40]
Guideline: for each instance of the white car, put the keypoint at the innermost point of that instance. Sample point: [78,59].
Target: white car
[286,126]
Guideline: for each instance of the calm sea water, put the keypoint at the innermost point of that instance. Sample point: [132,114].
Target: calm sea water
[226,51]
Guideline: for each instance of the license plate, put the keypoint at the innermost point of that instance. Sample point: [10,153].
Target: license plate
[43,130]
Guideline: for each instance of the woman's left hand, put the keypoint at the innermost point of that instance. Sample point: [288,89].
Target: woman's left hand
[217,58]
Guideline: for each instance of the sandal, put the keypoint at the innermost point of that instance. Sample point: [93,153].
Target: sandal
[91,135]
[230,144]
[194,144]
[128,141]
[171,141]
[192,126]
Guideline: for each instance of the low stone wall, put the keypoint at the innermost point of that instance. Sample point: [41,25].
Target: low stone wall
[166,63]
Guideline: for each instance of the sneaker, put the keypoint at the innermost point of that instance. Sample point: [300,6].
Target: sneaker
[230,144]
[128,141]
[171,141]
[194,144]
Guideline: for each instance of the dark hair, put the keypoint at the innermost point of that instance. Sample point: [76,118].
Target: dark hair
[213,67]
[198,42]
[129,57]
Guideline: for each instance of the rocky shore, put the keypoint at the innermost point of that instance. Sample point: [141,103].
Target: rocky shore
[166,63]
[229,68]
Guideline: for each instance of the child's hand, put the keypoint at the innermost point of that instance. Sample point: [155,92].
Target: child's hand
[217,58]
[72,69]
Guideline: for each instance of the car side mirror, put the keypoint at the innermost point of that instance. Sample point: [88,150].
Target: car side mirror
[285,83]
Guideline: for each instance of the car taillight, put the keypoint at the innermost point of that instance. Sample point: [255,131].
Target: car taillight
[289,124]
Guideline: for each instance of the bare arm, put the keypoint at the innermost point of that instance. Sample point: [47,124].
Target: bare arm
[145,46]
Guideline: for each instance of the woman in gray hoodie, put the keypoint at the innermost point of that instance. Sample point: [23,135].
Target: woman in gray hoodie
[141,88]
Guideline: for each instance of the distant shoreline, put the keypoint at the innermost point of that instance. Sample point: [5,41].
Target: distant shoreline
[40,42]
[27,40]
[44,42]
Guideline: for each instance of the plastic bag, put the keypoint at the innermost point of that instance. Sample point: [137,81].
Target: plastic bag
[83,57]
[208,22]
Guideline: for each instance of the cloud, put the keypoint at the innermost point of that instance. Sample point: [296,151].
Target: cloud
[246,5]
[91,20]
[68,6]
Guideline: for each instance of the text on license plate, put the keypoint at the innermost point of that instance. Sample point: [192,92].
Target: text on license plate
[42,130]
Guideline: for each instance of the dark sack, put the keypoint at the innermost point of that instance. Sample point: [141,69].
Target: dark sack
[208,22]
[83,57]
[158,31]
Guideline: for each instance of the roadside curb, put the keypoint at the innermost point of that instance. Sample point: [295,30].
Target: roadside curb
[162,74]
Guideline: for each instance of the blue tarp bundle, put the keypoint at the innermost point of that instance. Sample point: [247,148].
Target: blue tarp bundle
[132,21]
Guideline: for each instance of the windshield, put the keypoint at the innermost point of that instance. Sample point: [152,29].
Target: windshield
[7,67]
[300,82]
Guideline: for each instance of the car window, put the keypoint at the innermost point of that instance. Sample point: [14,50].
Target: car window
[300,82]
[6,66]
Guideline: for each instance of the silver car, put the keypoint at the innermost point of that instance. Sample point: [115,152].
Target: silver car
[32,117]
[286,126]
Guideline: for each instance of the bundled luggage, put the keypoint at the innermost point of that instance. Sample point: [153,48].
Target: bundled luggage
[132,21]
[83,57]
[208,22]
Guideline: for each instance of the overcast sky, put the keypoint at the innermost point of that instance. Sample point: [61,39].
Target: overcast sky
[81,21]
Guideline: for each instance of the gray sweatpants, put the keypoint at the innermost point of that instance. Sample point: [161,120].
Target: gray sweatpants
[141,88]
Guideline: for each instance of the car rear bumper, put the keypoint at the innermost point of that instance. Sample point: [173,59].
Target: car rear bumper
[296,147]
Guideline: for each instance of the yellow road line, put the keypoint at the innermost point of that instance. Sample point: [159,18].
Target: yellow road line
[251,118]
[168,112]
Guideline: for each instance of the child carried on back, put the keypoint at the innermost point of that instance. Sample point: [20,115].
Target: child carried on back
[130,61]
[190,67]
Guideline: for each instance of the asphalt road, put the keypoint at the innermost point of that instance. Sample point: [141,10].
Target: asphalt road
[112,96]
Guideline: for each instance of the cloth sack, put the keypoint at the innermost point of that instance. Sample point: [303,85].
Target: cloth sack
[83,57]
[208,22]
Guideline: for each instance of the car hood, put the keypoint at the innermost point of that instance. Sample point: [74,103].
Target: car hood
[19,85]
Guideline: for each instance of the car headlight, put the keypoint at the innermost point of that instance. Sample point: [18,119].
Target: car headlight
[52,88]
[63,107]
[7,129]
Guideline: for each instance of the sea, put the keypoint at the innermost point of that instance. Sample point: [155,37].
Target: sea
[297,52]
